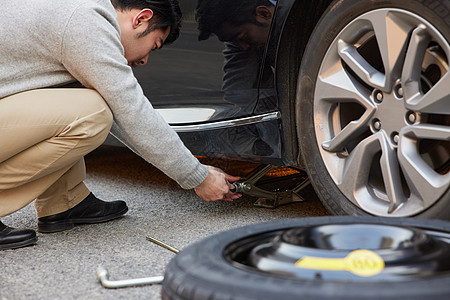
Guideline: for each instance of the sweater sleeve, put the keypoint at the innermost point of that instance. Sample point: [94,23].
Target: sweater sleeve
[91,51]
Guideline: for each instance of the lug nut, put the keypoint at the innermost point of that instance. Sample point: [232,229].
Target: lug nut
[396,138]
[379,96]
[412,118]
[377,125]
[398,91]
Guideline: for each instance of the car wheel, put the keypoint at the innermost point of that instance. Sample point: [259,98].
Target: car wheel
[316,258]
[373,108]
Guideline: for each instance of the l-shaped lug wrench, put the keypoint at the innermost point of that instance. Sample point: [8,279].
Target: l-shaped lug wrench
[103,275]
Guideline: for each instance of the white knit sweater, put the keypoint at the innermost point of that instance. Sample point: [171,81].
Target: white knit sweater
[49,43]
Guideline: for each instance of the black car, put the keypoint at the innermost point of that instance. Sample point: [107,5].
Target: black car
[357,92]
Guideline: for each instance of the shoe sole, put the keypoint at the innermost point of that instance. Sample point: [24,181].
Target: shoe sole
[57,226]
[20,244]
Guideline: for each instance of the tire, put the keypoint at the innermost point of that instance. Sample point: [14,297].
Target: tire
[377,142]
[203,270]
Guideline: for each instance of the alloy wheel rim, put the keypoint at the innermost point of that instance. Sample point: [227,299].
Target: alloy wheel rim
[381,113]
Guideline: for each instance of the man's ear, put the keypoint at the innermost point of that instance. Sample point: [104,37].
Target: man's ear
[263,14]
[142,17]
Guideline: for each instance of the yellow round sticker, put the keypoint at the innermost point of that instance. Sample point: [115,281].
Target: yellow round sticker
[364,263]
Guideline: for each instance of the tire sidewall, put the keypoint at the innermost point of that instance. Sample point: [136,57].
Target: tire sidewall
[338,15]
[201,271]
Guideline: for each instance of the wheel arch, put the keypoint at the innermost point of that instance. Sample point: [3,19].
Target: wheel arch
[300,19]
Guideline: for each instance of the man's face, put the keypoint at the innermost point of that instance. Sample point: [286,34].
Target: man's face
[137,49]
[133,24]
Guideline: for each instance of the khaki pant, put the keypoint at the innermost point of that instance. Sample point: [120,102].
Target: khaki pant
[44,135]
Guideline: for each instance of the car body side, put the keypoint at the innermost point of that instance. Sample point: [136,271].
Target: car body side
[268,133]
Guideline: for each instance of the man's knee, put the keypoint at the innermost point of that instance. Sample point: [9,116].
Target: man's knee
[104,120]
[100,119]
[90,118]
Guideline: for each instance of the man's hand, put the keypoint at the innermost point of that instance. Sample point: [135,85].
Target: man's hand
[217,186]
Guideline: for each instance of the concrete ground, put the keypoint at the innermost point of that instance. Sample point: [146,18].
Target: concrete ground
[63,265]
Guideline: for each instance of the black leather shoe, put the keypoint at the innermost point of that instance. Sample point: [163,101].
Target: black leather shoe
[89,211]
[11,238]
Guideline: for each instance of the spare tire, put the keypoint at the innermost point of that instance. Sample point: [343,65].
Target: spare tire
[317,258]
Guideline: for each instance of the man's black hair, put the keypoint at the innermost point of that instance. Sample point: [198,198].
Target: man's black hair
[165,13]
[211,14]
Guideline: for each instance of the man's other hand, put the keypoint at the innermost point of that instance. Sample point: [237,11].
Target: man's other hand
[217,186]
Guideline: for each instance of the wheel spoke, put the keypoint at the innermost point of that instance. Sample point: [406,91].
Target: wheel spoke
[350,132]
[391,176]
[413,63]
[357,166]
[392,35]
[437,99]
[423,181]
[360,66]
[339,87]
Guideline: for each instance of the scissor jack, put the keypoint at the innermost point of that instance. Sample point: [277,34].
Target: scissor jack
[275,198]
